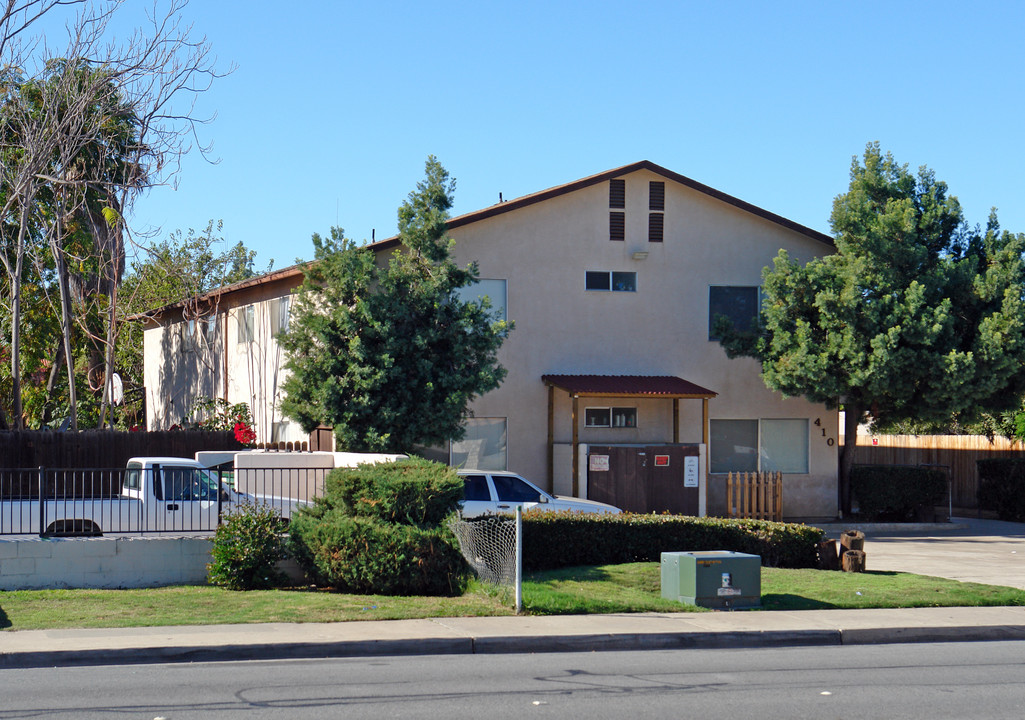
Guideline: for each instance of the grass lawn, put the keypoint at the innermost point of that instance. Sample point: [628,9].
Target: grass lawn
[633,587]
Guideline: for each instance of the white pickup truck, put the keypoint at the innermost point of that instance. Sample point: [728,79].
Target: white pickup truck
[158,494]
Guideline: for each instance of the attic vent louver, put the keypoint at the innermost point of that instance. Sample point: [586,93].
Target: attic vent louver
[617,193]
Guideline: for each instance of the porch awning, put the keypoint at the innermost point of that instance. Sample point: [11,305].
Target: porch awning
[637,386]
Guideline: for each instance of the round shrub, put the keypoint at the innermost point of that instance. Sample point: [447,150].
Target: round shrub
[380,529]
[246,548]
[413,491]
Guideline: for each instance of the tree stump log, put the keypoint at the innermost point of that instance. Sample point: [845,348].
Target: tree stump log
[852,540]
[827,555]
[854,561]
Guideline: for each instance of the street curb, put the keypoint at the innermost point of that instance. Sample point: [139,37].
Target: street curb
[597,642]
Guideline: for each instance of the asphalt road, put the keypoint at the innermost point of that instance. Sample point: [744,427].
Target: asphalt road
[957,680]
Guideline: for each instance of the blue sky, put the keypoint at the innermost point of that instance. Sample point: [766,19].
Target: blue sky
[334,106]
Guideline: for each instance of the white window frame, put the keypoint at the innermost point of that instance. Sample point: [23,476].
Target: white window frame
[280,315]
[612,280]
[246,325]
[625,411]
[761,455]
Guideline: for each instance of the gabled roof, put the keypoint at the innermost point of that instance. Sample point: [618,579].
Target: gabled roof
[638,386]
[515,204]
[520,202]
[274,275]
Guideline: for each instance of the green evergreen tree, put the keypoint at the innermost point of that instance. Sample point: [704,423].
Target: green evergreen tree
[916,316]
[389,355]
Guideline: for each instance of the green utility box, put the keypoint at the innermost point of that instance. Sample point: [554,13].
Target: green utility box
[714,579]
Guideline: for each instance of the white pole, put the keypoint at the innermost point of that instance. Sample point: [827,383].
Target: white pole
[519,559]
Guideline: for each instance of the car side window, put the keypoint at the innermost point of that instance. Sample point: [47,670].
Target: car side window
[513,489]
[476,488]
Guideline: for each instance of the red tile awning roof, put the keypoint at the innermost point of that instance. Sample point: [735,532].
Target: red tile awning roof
[639,386]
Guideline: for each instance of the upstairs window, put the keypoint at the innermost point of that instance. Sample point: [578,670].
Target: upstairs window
[279,315]
[740,303]
[246,324]
[610,280]
[493,289]
[210,328]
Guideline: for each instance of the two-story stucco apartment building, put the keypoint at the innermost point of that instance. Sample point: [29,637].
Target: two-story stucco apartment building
[616,386]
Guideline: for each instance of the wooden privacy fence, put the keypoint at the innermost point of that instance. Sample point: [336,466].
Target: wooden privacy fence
[104,448]
[755,495]
[958,453]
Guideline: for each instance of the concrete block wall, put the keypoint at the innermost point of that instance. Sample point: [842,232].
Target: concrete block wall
[104,562]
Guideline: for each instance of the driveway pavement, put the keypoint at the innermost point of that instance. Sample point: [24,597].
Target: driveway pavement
[969,549]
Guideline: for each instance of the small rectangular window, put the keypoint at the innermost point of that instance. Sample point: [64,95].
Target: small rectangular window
[598,280]
[655,225]
[617,193]
[614,281]
[246,324]
[617,226]
[738,303]
[279,315]
[610,417]
[211,328]
[656,195]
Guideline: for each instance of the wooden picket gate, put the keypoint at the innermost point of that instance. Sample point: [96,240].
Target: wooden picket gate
[755,495]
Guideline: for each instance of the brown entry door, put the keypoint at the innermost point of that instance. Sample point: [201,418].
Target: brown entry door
[645,479]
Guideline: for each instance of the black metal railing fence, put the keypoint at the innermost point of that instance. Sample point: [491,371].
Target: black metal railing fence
[164,498]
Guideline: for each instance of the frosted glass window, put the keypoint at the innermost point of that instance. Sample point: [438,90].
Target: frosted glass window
[785,445]
[483,445]
[733,446]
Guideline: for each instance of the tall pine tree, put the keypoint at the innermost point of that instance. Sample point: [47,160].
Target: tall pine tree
[916,316]
[390,356]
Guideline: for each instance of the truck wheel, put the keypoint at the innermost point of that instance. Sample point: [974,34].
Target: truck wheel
[73,528]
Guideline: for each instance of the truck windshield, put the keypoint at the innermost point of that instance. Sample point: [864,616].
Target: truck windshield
[182,483]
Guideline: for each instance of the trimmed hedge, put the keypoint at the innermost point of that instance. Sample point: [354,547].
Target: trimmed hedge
[363,555]
[1002,487]
[381,529]
[554,540]
[413,492]
[895,493]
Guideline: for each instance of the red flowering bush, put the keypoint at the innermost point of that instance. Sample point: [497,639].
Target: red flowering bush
[244,433]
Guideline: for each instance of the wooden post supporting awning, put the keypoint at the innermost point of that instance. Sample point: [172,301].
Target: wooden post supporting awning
[667,387]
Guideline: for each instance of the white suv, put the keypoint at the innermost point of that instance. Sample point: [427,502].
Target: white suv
[490,492]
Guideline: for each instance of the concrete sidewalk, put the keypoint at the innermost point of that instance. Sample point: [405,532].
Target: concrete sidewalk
[645,631]
[978,550]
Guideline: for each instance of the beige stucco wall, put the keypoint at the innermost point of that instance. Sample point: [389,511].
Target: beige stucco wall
[543,251]
[220,367]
